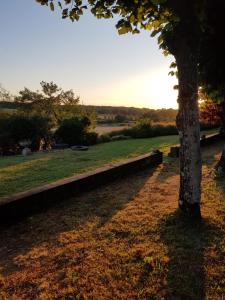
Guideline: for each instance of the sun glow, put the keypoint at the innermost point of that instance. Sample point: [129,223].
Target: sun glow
[152,89]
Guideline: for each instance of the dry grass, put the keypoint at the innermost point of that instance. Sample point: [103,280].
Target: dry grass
[121,241]
[103,129]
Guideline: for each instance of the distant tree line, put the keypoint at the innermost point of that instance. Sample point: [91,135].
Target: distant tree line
[134,113]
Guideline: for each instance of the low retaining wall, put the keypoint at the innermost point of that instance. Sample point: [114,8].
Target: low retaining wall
[207,141]
[22,204]
[210,139]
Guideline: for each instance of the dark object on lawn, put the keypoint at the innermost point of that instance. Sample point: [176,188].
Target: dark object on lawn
[60,146]
[203,137]
[174,151]
[79,148]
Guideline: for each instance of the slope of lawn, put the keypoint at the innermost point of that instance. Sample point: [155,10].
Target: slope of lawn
[18,173]
[123,241]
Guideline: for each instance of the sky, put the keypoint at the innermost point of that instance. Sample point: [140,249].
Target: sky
[88,56]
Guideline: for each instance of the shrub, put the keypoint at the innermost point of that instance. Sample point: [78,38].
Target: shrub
[144,129]
[104,138]
[120,137]
[90,138]
[7,145]
[16,128]
[75,131]
[207,126]
[120,118]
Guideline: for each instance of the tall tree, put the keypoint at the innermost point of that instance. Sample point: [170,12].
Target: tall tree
[48,102]
[211,113]
[5,95]
[212,58]
[212,63]
[179,26]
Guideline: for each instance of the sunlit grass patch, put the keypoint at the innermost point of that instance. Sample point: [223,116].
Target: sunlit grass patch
[122,241]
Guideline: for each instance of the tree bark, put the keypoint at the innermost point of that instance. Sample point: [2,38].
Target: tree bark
[189,132]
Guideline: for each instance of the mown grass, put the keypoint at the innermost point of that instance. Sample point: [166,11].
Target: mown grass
[122,241]
[20,173]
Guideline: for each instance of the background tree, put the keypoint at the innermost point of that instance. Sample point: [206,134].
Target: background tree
[212,67]
[76,131]
[211,113]
[5,95]
[211,58]
[180,26]
[17,127]
[50,102]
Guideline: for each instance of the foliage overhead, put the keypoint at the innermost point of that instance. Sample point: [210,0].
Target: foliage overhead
[161,17]
[212,58]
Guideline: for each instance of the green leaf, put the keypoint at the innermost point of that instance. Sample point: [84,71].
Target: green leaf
[173,65]
[171,73]
[52,6]
[124,30]
[154,32]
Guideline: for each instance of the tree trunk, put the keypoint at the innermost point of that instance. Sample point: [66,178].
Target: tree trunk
[189,133]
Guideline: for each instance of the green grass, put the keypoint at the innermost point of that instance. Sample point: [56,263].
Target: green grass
[8,110]
[18,173]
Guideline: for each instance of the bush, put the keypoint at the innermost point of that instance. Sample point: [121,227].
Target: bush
[104,138]
[120,119]
[75,131]
[120,137]
[90,138]
[208,126]
[15,128]
[144,129]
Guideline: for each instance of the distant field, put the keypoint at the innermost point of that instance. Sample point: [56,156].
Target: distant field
[109,128]
[104,129]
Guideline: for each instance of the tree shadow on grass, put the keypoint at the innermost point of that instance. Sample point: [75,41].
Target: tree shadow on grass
[169,167]
[187,243]
[100,204]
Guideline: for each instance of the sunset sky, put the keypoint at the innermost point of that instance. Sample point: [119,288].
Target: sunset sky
[90,57]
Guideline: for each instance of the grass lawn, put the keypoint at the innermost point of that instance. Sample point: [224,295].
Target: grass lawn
[18,173]
[123,241]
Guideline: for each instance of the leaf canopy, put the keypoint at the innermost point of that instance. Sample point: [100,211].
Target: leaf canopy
[161,17]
